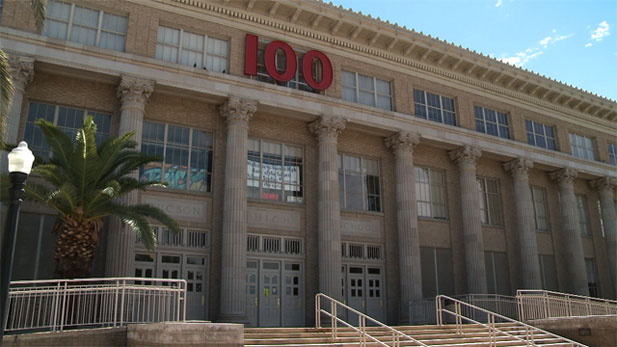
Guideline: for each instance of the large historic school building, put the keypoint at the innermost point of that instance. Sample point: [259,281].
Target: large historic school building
[313,149]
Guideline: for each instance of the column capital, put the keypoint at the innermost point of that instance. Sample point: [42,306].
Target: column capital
[404,141]
[466,155]
[21,70]
[327,126]
[134,90]
[518,167]
[604,183]
[238,109]
[564,176]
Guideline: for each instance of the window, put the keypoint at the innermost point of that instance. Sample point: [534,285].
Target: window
[612,153]
[434,107]
[275,172]
[592,278]
[191,238]
[492,122]
[190,49]
[540,135]
[361,251]
[490,201]
[430,193]
[274,245]
[187,163]
[359,183]
[548,272]
[67,119]
[437,274]
[497,274]
[581,204]
[582,147]
[34,258]
[367,90]
[86,26]
[297,82]
[540,208]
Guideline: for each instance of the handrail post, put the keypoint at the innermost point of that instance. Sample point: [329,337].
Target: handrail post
[317,311]
[115,304]
[64,299]
[333,320]
[122,303]
[439,311]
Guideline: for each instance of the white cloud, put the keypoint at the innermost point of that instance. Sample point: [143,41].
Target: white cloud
[589,44]
[521,58]
[499,2]
[546,40]
[601,31]
[554,37]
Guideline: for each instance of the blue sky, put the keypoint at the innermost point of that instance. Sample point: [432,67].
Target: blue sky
[572,41]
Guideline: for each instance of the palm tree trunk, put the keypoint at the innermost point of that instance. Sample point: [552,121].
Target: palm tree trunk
[76,244]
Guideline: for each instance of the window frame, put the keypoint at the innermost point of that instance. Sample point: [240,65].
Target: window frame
[282,183]
[99,27]
[205,54]
[376,95]
[430,184]
[534,135]
[574,145]
[365,194]
[612,153]
[545,208]
[497,124]
[190,149]
[441,108]
[484,195]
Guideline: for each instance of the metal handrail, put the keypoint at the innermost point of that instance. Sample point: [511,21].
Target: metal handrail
[529,330]
[362,318]
[538,304]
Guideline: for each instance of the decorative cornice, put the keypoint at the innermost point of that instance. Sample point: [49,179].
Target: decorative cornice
[404,141]
[21,70]
[236,109]
[604,183]
[327,126]
[518,167]
[133,90]
[564,176]
[466,155]
[603,108]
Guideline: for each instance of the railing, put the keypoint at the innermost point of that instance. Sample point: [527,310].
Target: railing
[539,304]
[491,319]
[94,302]
[423,311]
[397,336]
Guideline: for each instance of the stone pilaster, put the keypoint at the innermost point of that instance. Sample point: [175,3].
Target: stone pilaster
[237,113]
[402,144]
[525,222]
[465,158]
[570,231]
[133,94]
[605,187]
[327,129]
[22,73]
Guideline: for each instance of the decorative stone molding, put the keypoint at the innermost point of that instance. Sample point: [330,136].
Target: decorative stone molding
[236,109]
[465,156]
[133,90]
[21,70]
[604,183]
[564,176]
[327,126]
[404,141]
[518,167]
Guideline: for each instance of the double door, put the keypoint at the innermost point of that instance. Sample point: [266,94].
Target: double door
[275,293]
[192,268]
[364,290]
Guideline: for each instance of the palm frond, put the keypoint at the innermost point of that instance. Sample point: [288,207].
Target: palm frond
[138,223]
[39,8]
[155,213]
[84,158]
[60,144]
[6,93]
[51,173]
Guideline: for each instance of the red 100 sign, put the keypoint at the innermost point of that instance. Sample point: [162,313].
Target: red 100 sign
[250,63]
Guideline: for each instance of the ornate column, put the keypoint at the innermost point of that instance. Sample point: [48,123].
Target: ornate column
[605,187]
[22,73]
[237,113]
[570,231]
[525,222]
[133,94]
[327,129]
[466,158]
[402,144]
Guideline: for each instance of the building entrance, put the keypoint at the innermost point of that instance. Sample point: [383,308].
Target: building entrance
[364,290]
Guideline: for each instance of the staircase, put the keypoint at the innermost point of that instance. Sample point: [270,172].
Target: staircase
[431,335]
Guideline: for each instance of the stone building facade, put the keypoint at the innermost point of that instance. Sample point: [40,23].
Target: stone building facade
[422,168]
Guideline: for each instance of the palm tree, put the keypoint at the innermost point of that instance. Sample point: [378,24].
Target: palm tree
[83,183]
[6,84]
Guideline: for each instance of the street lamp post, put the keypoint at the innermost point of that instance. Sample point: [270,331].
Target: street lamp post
[20,164]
